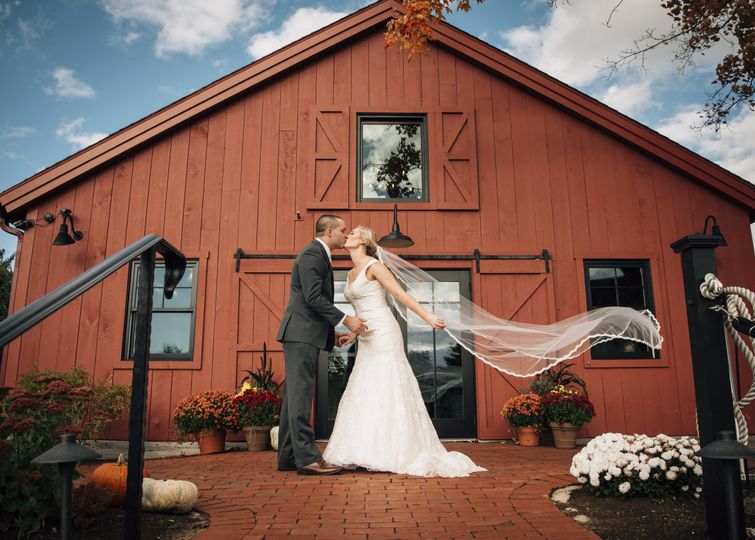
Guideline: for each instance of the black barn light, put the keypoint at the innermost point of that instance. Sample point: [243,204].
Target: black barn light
[395,239]
[63,238]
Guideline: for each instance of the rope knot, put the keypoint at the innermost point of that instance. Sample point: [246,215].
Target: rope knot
[711,287]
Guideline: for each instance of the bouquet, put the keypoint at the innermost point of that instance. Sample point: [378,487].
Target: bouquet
[566,406]
[523,410]
[256,406]
[214,409]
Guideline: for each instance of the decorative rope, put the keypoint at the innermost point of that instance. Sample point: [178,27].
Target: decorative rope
[712,289]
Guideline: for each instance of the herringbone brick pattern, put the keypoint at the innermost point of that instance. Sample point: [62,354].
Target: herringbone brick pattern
[246,497]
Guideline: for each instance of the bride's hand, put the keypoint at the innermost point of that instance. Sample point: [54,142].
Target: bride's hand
[435,321]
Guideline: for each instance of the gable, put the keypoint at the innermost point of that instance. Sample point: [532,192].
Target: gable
[358,25]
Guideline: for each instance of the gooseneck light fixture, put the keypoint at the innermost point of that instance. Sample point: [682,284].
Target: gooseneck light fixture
[715,230]
[63,238]
[395,239]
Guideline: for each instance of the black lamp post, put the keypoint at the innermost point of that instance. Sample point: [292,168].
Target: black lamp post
[728,451]
[66,454]
[395,239]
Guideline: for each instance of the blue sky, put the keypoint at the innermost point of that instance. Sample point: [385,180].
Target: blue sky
[77,70]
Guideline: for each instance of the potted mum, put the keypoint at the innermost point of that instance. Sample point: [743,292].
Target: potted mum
[258,411]
[566,410]
[207,416]
[524,413]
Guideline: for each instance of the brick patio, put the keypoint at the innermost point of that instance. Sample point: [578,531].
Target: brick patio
[246,497]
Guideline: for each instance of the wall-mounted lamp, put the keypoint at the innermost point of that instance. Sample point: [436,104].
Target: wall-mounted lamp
[63,238]
[715,230]
[395,238]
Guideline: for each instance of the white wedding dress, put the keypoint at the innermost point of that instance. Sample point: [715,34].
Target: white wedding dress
[382,423]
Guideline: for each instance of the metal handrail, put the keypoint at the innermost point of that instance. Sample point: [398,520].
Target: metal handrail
[175,266]
[28,316]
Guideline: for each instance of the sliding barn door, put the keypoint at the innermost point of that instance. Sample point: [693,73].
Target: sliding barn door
[518,291]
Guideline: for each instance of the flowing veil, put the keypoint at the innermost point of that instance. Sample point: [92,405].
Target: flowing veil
[522,349]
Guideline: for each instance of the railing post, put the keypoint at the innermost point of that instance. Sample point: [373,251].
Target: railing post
[715,411]
[132,525]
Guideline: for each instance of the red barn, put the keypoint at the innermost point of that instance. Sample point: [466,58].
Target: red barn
[493,156]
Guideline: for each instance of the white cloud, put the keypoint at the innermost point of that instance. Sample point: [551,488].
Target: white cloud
[629,98]
[733,148]
[130,37]
[9,154]
[72,132]
[188,26]
[304,21]
[574,43]
[67,85]
[17,132]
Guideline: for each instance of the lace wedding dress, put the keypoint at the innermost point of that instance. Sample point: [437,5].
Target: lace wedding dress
[382,423]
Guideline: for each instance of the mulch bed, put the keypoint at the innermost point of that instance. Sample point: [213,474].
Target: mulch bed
[109,525]
[641,517]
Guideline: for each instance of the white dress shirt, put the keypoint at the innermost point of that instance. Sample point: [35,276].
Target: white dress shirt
[330,258]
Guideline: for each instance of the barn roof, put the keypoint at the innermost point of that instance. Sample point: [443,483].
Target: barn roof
[15,199]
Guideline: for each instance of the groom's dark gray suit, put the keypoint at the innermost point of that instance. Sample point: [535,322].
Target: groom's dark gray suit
[307,327]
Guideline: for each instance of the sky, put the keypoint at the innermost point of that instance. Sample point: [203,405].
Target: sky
[74,71]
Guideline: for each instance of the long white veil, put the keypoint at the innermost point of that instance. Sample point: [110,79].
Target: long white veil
[522,349]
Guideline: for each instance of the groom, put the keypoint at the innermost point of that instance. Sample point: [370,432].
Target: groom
[306,329]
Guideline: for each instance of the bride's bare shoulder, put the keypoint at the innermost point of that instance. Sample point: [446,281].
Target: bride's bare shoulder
[374,265]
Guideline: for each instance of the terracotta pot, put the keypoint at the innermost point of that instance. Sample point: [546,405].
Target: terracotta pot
[257,438]
[211,441]
[528,435]
[564,435]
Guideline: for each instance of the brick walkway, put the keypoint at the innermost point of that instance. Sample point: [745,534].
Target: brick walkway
[246,497]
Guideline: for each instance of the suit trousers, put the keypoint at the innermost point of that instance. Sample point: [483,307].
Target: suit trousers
[296,438]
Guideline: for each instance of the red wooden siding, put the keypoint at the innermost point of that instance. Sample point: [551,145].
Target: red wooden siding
[510,174]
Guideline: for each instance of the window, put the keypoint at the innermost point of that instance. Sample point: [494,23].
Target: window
[392,158]
[619,283]
[172,320]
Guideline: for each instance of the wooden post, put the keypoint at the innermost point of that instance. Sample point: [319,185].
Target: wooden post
[715,410]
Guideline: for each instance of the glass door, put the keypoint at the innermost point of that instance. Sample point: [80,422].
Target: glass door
[444,370]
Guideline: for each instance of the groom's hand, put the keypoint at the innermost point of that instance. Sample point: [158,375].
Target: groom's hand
[345,339]
[355,324]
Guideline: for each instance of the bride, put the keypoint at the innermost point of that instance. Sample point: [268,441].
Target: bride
[382,423]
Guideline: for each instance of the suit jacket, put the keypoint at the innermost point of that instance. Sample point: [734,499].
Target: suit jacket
[310,316]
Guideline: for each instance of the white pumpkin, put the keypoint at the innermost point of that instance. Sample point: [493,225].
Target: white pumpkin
[175,496]
[274,437]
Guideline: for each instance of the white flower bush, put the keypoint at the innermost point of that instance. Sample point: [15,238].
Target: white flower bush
[628,465]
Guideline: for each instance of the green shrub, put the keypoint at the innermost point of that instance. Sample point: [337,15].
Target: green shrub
[45,405]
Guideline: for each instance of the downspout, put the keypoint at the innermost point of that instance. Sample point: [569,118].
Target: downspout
[4,225]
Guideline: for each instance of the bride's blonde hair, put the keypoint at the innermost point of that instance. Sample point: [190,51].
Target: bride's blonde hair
[370,240]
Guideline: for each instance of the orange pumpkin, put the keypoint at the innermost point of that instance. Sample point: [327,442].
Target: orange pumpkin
[113,477]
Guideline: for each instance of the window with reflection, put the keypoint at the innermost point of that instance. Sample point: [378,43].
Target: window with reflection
[392,158]
[172,336]
[619,283]
[435,357]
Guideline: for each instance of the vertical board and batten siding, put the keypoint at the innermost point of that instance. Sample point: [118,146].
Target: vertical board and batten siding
[510,174]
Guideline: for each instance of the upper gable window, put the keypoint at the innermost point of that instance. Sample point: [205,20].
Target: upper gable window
[392,158]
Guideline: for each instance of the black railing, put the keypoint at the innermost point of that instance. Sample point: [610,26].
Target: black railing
[25,318]
[476,256]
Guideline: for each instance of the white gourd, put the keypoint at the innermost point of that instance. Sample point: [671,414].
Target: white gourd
[175,496]
[274,437]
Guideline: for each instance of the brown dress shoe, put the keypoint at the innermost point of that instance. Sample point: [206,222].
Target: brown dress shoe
[319,468]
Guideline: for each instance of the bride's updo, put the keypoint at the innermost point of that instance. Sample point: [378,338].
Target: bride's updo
[370,240]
